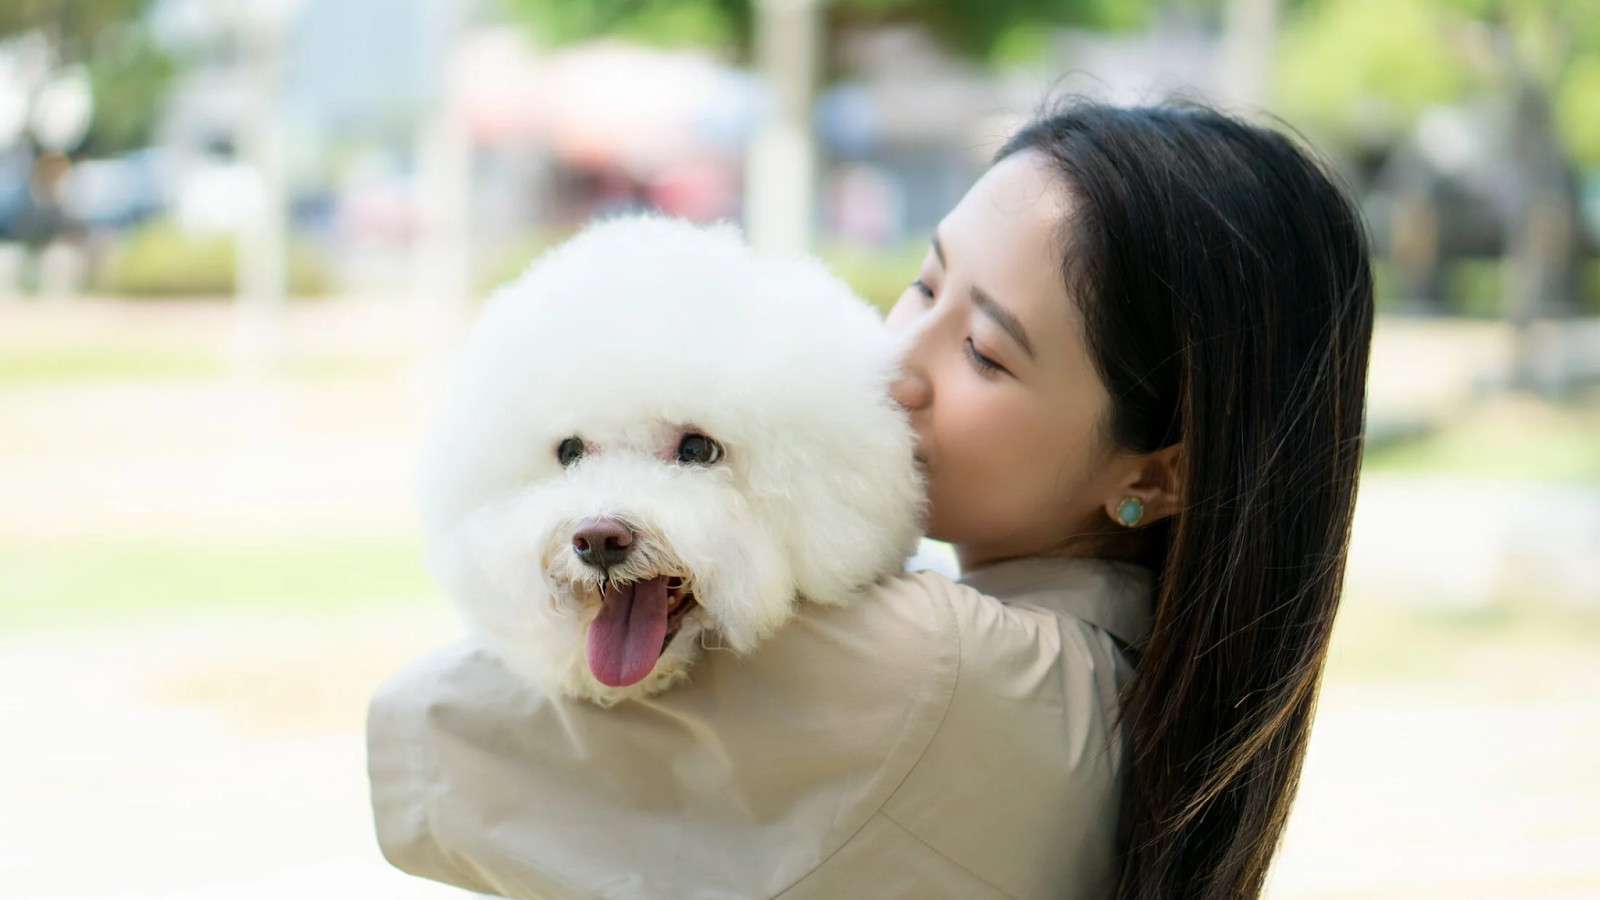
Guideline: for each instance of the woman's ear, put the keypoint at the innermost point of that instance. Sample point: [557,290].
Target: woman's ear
[1151,490]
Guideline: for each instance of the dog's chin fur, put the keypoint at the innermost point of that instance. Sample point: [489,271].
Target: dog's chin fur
[566,669]
[634,334]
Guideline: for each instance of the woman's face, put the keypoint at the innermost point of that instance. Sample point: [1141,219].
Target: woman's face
[999,384]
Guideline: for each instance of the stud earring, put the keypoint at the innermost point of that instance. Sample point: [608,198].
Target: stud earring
[1130,511]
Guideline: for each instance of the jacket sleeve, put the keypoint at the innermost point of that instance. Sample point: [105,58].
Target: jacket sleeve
[736,784]
[399,769]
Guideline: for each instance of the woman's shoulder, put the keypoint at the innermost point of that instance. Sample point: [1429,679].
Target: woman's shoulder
[739,782]
[1013,780]
[906,612]
[1025,746]
[1049,649]
[746,779]
[914,626]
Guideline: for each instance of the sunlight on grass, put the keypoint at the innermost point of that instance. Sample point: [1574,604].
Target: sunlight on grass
[89,365]
[82,581]
[1506,648]
[1515,439]
[29,368]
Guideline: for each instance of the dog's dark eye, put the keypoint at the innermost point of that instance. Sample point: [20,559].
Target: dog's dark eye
[699,450]
[570,451]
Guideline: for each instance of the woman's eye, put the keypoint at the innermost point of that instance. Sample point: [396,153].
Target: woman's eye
[569,451]
[985,365]
[698,450]
[922,288]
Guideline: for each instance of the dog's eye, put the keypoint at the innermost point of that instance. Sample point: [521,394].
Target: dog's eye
[699,450]
[570,451]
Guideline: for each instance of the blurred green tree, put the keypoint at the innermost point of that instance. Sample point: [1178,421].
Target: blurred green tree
[128,73]
[1362,71]
[72,26]
[978,28]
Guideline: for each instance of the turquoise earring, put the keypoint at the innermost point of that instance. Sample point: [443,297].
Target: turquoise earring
[1130,511]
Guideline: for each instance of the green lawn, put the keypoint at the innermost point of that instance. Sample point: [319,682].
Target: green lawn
[1506,649]
[54,366]
[59,366]
[1526,439]
[90,580]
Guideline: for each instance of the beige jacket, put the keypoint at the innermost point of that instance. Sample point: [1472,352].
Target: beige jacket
[929,742]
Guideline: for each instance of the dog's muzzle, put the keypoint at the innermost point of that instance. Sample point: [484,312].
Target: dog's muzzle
[637,621]
[639,616]
[601,542]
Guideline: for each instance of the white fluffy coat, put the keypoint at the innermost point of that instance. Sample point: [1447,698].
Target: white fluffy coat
[630,335]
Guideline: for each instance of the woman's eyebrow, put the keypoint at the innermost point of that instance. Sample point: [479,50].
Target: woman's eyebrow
[1008,323]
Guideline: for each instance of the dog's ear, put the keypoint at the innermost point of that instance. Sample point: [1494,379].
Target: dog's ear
[854,507]
[839,467]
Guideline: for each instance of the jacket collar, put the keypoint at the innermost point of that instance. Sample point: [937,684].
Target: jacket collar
[1112,595]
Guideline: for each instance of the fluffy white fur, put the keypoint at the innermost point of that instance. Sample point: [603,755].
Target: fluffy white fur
[629,335]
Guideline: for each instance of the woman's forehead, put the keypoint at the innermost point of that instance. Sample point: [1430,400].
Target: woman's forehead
[1020,185]
[1005,238]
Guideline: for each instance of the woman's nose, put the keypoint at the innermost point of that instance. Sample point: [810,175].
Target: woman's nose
[911,390]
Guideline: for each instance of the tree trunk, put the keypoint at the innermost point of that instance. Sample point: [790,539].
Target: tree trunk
[780,173]
[1543,258]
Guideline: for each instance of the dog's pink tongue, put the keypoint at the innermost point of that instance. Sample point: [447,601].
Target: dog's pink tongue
[625,639]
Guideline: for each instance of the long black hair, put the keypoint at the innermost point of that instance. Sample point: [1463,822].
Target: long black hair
[1226,290]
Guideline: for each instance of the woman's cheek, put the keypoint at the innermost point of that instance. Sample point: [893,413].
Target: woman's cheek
[970,447]
[988,421]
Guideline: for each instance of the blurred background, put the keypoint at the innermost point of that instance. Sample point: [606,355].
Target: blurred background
[238,236]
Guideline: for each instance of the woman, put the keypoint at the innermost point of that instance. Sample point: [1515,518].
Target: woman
[1137,362]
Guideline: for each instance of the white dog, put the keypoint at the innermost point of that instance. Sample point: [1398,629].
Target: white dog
[654,438]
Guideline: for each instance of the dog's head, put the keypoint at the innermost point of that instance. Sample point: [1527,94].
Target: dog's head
[653,438]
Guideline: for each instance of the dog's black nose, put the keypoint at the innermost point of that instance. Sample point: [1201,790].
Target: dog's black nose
[601,541]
